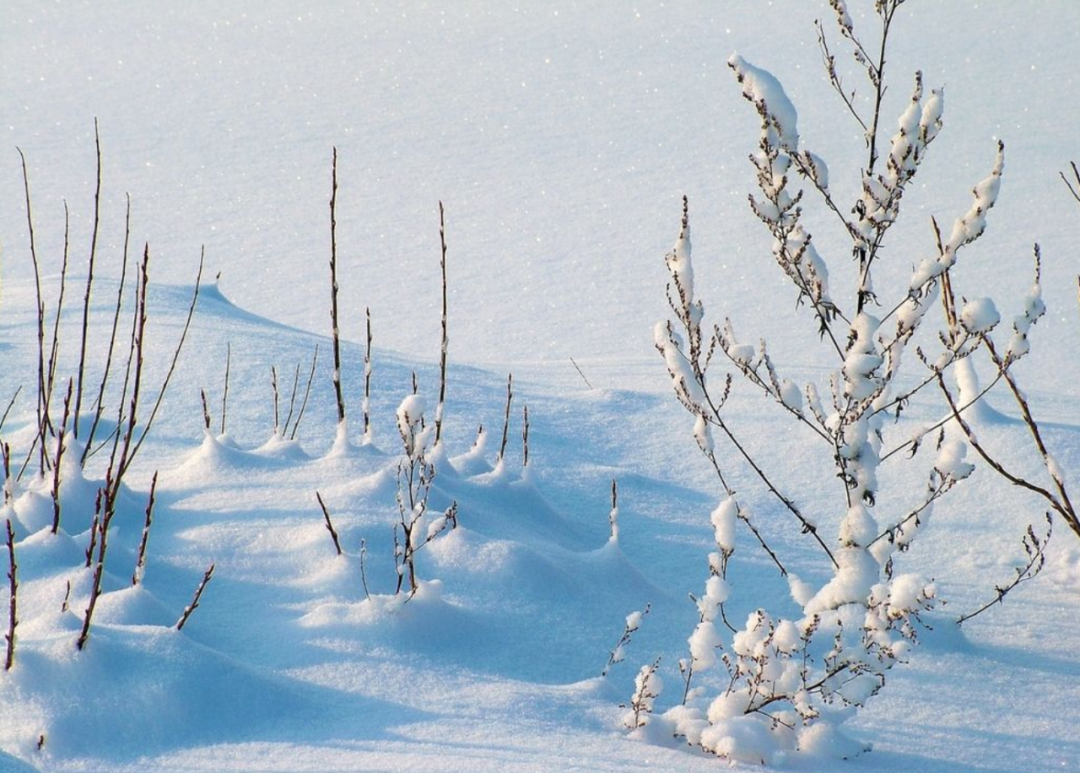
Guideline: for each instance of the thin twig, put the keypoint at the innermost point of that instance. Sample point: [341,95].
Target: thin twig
[334,294]
[506,418]
[445,342]
[89,280]
[140,563]
[1036,552]
[195,601]
[580,373]
[99,405]
[13,612]
[307,393]
[329,523]
[225,392]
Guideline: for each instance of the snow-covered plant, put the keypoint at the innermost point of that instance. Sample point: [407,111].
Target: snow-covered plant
[618,652]
[647,687]
[415,474]
[784,679]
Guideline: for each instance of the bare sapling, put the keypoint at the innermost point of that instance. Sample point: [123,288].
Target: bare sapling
[329,523]
[13,591]
[443,347]
[140,561]
[190,608]
[334,295]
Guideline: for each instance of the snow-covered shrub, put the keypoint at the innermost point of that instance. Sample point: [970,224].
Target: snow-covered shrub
[787,683]
[414,477]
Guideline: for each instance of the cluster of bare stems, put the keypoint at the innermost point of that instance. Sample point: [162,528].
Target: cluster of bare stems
[72,429]
[867,342]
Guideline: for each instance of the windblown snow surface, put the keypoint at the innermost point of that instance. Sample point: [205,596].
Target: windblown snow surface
[560,137]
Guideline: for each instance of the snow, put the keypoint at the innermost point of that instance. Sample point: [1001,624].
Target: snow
[561,139]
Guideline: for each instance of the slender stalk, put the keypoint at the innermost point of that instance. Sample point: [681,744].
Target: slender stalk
[334,294]
[525,436]
[445,343]
[140,563]
[329,523]
[50,378]
[205,410]
[363,569]
[5,450]
[225,392]
[11,403]
[89,281]
[292,399]
[307,393]
[367,378]
[108,507]
[59,459]
[41,414]
[506,417]
[274,387]
[99,404]
[195,601]
[13,610]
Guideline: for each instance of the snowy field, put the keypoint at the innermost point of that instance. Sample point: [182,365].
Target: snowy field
[560,139]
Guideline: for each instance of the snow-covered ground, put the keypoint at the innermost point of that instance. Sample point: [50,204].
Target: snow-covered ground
[560,138]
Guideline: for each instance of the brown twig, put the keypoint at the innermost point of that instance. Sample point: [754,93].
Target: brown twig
[1036,553]
[506,417]
[140,563]
[334,294]
[195,601]
[89,281]
[367,376]
[444,342]
[59,458]
[225,391]
[40,307]
[99,405]
[13,612]
[274,387]
[307,393]
[329,523]
[525,436]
